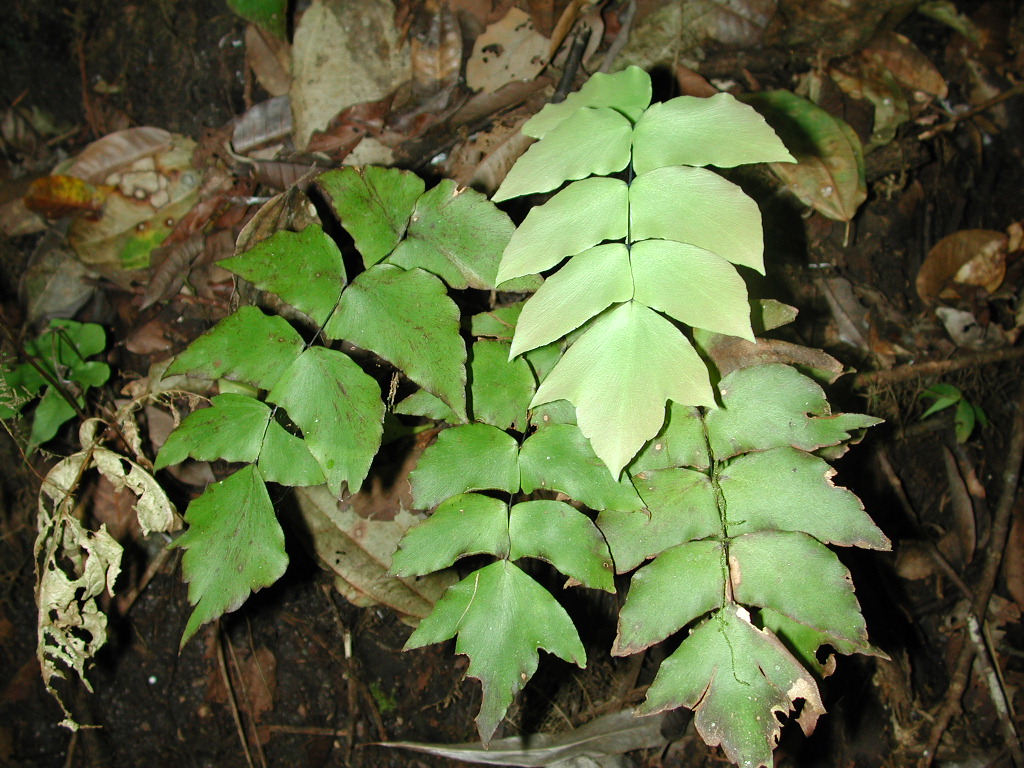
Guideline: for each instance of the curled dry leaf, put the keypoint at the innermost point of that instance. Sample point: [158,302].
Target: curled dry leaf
[970,257]
[484,162]
[509,50]
[359,551]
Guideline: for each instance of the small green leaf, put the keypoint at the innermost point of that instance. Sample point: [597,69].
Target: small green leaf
[770,569]
[422,403]
[459,235]
[658,603]
[286,459]
[502,618]
[628,92]
[406,317]
[559,458]
[233,546]
[374,205]
[466,524]
[784,489]
[51,412]
[471,457]
[692,285]
[719,130]
[773,405]
[590,141]
[90,374]
[699,207]
[964,421]
[501,388]
[247,346]
[945,395]
[681,507]
[735,677]
[303,268]
[680,443]
[68,343]
[563,536]
[576,218]
[586,286]
[232,429]
[619,375]
[497,323]
[339,410]
[272,15]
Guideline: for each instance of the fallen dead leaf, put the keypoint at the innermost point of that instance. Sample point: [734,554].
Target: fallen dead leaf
[269,59]
[509,50]
[970,256]
[1013,557]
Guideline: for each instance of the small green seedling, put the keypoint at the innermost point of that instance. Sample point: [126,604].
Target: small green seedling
[967,413]
[58,372]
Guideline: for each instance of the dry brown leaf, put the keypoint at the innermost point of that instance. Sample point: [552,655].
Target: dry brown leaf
[264,123]
[435,47]
[911,68]
[970,256]
[270,59]
[116,509]
[118,150]
[484,162]
[964,532]
[509,50]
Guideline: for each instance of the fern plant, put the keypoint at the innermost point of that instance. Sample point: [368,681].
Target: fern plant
[598,426]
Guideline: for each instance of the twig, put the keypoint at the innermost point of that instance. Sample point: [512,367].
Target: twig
[915,521]
[572,63]
[949,125]
[126,601]
[307,730]
[250,711]
[626,20]
[934,367]
[979,607]
[222,662]
[996,691]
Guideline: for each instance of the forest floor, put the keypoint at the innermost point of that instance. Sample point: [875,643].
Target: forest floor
[912,277]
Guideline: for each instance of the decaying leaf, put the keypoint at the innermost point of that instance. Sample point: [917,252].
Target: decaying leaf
[270,60]
[359,550]
[509,50]
[829,174]
[345,52]
[119,150]
[911,68]
[267,122]
[435,47]
[74,566]
[58,196]
[970,256]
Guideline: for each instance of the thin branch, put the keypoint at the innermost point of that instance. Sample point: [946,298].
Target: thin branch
[232,702]
[937,367]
